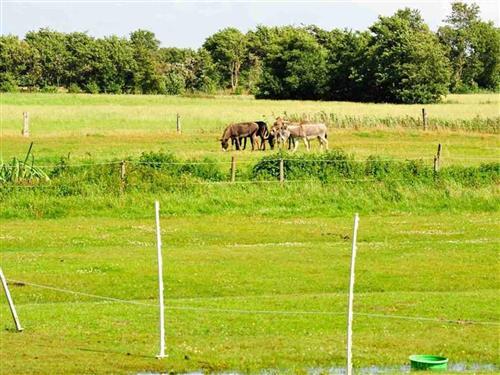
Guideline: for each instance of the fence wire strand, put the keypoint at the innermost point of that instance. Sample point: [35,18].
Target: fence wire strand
[233,183]
[256,312]
[228,162]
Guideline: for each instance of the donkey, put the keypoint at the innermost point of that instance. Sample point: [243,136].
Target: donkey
[264,135]
[285,130]
[305,132]
[274,136]
[237,131]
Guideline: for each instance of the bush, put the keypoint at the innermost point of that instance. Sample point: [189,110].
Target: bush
[159,160]
[327,166]
[175,83]
[92,88]
[377,167]
[8,83]
[114,88]
[206,169]
[49,89]
[74,89]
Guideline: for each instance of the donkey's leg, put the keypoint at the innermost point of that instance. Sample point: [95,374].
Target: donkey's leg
[255,143]
[296,145]
[325,142]
[306,142]
[237,140]
[320,140]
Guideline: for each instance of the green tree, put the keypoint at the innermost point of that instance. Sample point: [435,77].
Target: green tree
[202,72]
[487,51]
[18,64]
[147,75]
[404,61]
[52,54]
[228,49]
[81,59]
[294,65]
[116,67]
[346,60]
[473,47]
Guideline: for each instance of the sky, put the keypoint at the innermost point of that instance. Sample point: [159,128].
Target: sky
[188,23]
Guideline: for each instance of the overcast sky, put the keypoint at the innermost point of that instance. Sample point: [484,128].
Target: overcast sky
[188,23]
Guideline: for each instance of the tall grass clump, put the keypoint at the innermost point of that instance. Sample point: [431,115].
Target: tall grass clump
[333,120]
[22,171]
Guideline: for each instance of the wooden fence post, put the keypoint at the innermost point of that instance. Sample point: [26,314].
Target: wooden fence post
[424,118]
[233,168]
[437,159]
[282,172]
[26,125]
[123,171]
[179,124]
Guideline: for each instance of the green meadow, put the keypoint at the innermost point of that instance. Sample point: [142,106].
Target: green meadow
[256,273]
[106,127]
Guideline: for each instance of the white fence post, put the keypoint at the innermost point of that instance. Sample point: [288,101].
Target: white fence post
[160,283]
[11,302]
[351,296]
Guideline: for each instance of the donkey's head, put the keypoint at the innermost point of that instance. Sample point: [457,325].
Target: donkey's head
[224,144]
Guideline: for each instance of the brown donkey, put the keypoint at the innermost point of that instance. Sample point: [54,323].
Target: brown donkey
[240,130]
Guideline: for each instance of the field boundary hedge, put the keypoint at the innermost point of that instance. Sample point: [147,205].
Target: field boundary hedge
[161,170]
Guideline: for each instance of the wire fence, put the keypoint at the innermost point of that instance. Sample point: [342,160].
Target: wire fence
[256,312]
[231,183]
[228,162]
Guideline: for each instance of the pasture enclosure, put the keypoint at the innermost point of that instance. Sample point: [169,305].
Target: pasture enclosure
[256,245]
[106,127]
[212,278]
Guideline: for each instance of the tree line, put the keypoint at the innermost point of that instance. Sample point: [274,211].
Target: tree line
[398,59]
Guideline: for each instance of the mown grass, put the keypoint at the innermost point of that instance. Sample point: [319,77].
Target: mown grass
[290,264]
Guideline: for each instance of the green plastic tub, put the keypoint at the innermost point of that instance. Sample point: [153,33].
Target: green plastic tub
[428,362]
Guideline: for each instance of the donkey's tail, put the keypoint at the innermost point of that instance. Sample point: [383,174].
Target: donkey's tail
[266,133]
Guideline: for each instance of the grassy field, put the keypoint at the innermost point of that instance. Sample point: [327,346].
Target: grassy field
[256,275]
[104,127]
[431,266]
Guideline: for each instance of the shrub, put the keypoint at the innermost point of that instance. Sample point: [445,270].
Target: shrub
[329,165]
[49,89]
[114,88]
[74,89]
[92,88]
[206,169]
[174,83]
[8,83]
